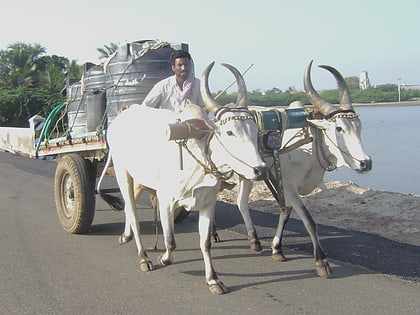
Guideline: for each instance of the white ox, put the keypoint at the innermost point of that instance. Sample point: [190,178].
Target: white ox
[336,133]
[144,158]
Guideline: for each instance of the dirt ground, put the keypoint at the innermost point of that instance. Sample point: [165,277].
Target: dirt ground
[345,205]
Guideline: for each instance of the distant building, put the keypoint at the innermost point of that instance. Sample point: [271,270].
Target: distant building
[364,81]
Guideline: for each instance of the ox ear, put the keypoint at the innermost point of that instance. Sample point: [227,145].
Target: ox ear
[198,128]
[320,123]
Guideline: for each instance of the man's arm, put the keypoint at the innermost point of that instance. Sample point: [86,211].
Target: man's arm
[154,97]
[197,97]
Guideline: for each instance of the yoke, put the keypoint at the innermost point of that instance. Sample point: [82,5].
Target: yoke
[272,122]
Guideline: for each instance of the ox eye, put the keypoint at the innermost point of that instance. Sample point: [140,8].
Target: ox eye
[229,133]
[339,129]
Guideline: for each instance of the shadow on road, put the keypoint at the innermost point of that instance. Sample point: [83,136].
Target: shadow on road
[367,250]
[363,249]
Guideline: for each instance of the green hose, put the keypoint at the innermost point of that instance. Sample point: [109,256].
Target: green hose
[46,129]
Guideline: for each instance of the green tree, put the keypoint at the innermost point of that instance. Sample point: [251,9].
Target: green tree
[73,70]
[18,104]
[107,50]
[53,72]
[30,83]
[20,64]
[352,83]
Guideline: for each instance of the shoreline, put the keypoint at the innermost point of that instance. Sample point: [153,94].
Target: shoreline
[391,215]
[403,103]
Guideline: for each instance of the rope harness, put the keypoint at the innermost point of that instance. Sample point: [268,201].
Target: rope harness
[319,133]
[208,165]
[320,152]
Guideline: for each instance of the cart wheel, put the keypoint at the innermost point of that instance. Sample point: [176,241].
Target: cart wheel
[180,214]
[74,193]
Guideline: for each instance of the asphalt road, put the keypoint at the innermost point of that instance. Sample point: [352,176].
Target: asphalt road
[44,270]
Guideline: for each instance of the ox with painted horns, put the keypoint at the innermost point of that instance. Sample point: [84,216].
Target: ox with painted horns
[348,144]
[336,132]
[332,138]
[222,145]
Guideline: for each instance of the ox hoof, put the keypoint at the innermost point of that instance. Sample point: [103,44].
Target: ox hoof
[164,261]
[215,237]
[278,257]
[323,268]
[255,245]
[254,242]
[124,239]
[217,287]
[146,265]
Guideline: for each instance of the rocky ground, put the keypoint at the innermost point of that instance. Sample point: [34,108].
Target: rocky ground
[345,205]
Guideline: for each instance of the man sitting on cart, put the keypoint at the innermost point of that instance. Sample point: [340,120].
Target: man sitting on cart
[176,91]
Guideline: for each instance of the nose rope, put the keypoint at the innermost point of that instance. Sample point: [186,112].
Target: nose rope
[212,168]
[349,114]
[341,150]
[320,152]
[224,121]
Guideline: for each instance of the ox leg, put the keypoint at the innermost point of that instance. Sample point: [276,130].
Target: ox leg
[205,229]
[245,187]
[127,236]
[322,266]
[167,222]
[276,245]
[214,235]
[132,225]
[155,205]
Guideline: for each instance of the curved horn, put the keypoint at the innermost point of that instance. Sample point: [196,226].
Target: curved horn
[210,103]
[345,99]
[241,100]
[323,106]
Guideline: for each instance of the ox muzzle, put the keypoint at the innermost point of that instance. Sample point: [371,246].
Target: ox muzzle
[365,165]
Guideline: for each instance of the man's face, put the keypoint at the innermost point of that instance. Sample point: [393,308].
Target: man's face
[181,68]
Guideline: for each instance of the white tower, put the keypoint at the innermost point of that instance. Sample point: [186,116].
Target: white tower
[364,81]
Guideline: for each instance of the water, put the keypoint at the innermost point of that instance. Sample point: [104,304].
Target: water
[391,136]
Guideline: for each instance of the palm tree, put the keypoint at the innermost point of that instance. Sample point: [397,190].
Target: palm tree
[19,64]
[53,70]
[107,50]
[74,71]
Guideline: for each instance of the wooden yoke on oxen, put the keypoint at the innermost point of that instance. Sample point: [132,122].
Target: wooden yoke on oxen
[272,122]
[190,129]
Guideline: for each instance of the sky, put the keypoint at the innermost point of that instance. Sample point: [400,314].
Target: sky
[276,38]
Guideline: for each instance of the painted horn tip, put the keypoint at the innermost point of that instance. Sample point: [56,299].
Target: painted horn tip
[227,65]
[309,66]
[210,66]
[329,68]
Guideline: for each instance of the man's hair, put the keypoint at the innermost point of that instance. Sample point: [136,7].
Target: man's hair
[179,54]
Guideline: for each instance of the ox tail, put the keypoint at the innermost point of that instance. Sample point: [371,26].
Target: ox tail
[114,202]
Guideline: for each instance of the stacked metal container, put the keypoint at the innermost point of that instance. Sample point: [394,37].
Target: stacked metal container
[124,79]
[133,70]
[87,101]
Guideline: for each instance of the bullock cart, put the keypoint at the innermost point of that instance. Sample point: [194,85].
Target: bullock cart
[74,133]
